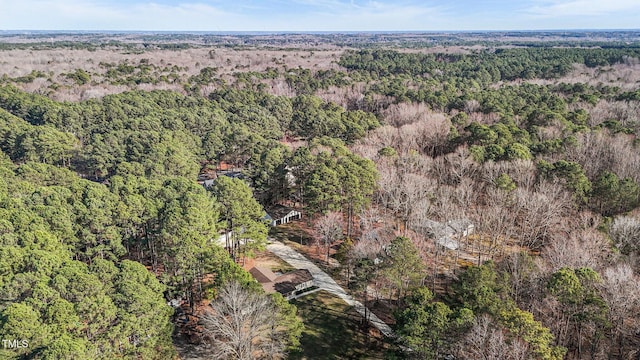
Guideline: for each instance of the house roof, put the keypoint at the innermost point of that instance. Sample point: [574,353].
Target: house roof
[231,174]
[287,283]
[446,233]
[297,276]
[284,283]
[279,211]
[460,225]
[448,242]
[262,274]
[450,228]
[206,176]
[284,287]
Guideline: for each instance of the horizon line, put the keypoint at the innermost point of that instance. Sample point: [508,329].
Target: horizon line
[216,32]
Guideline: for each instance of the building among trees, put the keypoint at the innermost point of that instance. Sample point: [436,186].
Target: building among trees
[287,284]
[448,234]
[280,215]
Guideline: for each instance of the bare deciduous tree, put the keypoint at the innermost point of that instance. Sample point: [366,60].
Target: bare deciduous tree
[487,341]
[584,248]
[407,113]
[329,230]
[628,113]
[401,192]
[496,223]
[471,106]
[525,277]
[244,325]
[539,211]
[369,217]
[625,232]
[600,151]
[622,294]
[373,242]
[452,168]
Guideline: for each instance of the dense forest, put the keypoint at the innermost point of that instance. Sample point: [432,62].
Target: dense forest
[384,149]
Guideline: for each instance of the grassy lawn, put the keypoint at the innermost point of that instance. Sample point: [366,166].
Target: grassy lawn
[332,330]
[295,232]
[269,260]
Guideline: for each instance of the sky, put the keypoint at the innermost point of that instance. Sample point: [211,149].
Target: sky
[318,15]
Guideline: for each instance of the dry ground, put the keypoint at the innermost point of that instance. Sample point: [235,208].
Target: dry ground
[268,260]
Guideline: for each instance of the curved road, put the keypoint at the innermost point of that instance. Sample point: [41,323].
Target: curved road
[325,282]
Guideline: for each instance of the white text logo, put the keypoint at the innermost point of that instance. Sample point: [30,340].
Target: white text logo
[15,344]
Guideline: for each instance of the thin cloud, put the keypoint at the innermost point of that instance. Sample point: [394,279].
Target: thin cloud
[584,8]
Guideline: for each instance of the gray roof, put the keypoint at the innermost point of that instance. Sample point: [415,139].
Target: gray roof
[448,242]
[450,228]
[287,283]
[277,212]
[459,225]
[446,233]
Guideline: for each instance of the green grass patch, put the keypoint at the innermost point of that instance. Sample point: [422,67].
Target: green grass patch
[282,268]
[333,330]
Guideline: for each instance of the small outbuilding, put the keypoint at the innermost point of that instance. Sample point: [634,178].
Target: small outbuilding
[280,215]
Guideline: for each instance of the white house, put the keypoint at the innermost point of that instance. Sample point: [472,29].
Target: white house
[280,214]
